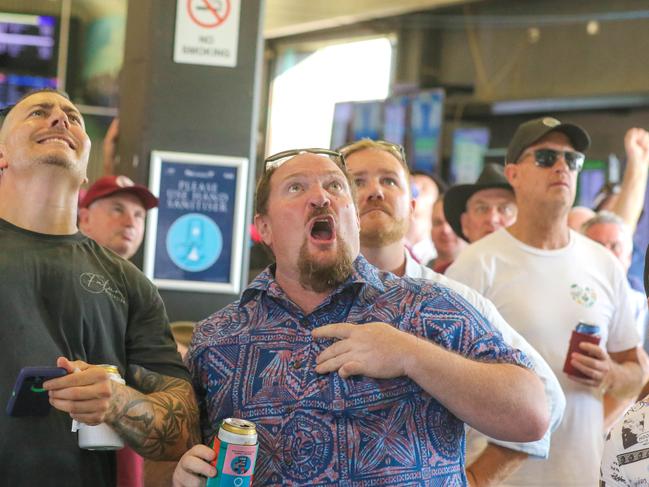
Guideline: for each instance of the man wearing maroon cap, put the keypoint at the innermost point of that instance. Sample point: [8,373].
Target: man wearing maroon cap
[112,213]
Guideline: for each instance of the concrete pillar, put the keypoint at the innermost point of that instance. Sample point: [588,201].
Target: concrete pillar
[187,108]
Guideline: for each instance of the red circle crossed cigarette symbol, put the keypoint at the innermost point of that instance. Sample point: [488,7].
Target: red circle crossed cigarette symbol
[208,13]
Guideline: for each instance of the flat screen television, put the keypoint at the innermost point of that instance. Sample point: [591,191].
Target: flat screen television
[28,54]
[591,179]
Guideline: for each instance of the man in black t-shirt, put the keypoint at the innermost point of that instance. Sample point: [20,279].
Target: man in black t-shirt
[65,300]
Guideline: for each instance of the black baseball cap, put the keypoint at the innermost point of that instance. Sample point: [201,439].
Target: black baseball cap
[492,176]
[529,132]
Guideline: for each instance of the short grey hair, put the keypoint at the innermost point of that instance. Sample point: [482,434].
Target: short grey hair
[603,217]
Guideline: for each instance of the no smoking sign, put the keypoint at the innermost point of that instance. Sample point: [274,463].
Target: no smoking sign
[207,32]
[208,13]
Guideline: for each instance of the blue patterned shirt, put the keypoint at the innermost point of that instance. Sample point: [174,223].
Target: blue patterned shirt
[255,359]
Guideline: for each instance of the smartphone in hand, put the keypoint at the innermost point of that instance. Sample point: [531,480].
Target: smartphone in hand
[28,397]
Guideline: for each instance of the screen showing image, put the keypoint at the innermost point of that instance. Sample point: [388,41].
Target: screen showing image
[591,180]
[28,47]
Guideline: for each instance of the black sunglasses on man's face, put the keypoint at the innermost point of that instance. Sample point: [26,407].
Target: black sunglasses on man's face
[548,157]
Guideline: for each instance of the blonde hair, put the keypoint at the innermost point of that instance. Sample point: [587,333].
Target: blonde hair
[382,145]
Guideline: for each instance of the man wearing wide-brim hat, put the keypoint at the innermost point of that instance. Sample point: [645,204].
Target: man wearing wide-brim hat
[476,210]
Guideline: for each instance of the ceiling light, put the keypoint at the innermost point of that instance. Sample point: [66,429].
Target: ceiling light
[592,27]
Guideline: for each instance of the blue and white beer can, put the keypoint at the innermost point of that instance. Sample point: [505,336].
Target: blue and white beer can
[587,329]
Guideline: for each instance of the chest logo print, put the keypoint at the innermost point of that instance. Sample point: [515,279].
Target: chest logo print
[583,295]
[98,284]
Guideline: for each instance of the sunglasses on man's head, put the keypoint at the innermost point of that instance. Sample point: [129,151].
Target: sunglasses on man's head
[548,157]
[396,149]
[276,160]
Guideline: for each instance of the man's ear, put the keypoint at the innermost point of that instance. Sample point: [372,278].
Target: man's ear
[84,217]
[3,160]
[263,227]
[411,216]
[463,222]
[511,173]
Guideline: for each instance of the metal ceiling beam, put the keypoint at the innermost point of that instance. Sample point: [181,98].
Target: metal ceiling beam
[290,17]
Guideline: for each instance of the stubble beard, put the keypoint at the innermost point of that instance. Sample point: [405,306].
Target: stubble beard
[54,160]
[378,236]
[322,277]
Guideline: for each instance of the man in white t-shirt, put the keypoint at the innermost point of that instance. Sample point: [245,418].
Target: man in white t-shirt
[385,205]
[544,279]
[625,461]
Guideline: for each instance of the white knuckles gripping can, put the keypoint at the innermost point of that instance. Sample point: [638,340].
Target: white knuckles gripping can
[236,448]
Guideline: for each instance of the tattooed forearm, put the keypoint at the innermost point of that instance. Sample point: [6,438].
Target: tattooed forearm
[161,421]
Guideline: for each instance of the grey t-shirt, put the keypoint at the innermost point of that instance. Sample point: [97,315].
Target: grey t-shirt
[68,296]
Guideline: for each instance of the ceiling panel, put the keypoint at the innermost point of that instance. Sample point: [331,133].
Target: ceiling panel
[289,17]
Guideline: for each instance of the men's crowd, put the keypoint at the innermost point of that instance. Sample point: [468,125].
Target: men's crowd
[406,333]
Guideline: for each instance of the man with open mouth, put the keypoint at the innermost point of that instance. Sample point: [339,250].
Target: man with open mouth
[351,375]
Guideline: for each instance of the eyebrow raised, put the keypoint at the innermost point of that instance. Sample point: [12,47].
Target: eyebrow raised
[49,106]
[366,172]
[303,174]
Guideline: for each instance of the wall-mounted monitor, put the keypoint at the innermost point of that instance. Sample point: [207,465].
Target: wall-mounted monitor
[469,147]
[590,181]
[28,54]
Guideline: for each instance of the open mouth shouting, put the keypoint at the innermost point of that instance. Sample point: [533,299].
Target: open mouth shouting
[322,230]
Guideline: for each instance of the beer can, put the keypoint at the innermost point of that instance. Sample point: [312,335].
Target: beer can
[236,448]
[583,332]
[587,329]
[101,437]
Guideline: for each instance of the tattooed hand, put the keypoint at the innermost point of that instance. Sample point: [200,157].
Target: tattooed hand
[159,420]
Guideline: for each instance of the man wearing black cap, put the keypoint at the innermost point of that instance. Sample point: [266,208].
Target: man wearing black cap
[476,210]
[112,213]
[625,460]
[545,279]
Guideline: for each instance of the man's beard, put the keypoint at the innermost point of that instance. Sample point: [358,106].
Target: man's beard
[321,277]
[380,236]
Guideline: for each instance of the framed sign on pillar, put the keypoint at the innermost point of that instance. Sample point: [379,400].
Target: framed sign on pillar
[195,237]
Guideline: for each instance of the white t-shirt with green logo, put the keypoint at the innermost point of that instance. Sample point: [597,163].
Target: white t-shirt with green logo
[543,294]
